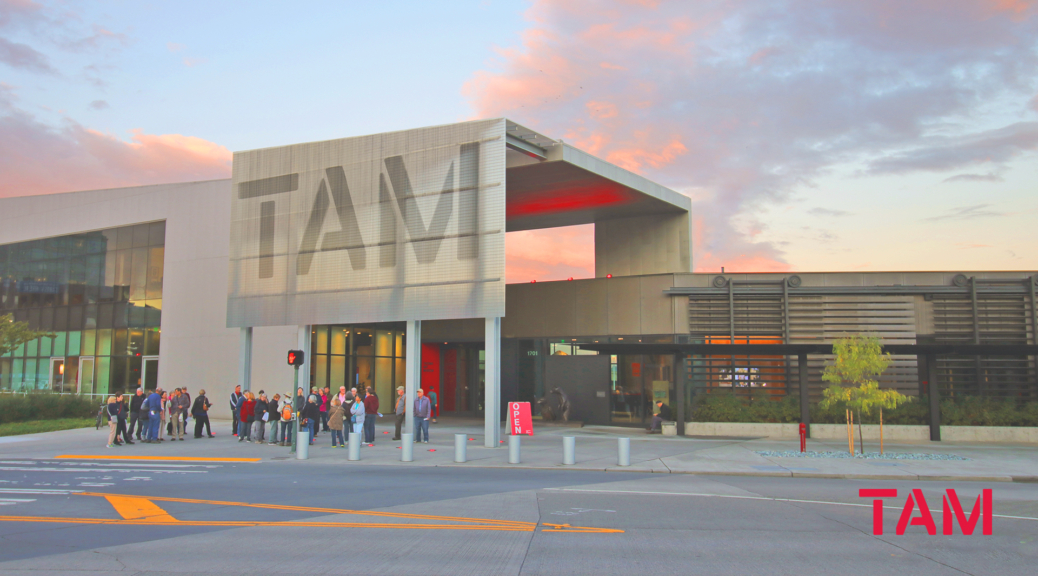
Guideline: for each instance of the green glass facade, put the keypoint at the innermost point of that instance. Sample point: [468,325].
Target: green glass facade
[100,295]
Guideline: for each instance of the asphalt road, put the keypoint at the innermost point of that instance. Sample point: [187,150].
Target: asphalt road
[88,516]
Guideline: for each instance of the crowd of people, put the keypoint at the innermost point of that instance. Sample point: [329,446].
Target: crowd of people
[152,416]
[262,420]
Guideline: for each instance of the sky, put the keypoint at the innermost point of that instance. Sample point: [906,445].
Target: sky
[811,135]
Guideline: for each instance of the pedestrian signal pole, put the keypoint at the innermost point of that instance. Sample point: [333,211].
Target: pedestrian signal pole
[295,360]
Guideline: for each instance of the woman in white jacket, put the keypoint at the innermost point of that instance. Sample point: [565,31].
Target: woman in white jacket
[357,412]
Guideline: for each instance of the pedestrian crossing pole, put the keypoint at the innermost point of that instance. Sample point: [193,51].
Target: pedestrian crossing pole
[295,422]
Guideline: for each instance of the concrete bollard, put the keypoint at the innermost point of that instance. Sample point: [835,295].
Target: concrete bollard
[407,447]
[513,450]
[569,450]
[460,447]
[303,449]
[354,447]
[623,456]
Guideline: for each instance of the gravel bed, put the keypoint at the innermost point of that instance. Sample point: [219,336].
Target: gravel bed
[865,456]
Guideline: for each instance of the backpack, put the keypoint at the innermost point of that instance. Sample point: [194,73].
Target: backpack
[286,412]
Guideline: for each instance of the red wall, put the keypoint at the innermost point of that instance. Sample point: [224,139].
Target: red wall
[431,370]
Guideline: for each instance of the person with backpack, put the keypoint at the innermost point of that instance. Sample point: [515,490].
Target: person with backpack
[287,416]
[261,416]
[335,415]
[200,412]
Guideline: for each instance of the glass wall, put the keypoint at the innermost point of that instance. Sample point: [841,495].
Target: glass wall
[99,294]
[358,356]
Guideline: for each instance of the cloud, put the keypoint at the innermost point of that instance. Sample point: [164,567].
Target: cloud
[24,57]
[748,103]
[174,47]
[966,213]
[99,37]
[38,159]
[827,212]
[99,105]
[989,177]
[192,62]
[552,254]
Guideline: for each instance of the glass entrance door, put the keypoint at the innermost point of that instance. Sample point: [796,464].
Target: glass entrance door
[85,381]
[150,379]
[57,373]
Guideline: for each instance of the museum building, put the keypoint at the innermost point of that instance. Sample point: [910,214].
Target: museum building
[382,257]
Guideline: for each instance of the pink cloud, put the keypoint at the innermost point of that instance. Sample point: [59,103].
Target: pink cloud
[551,254]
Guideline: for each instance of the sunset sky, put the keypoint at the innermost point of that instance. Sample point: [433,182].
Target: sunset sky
[810,135]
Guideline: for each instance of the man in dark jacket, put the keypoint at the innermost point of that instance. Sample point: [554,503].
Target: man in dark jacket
[235,399]
[261,425]
[153,404]
[200,412]
[135,413]
[370,413]
[178,406]
[120,429]
[664,414]
[311,415]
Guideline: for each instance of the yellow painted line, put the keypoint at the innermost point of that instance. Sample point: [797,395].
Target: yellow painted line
[139,509]
[251,524]
[483,521]
[157,458]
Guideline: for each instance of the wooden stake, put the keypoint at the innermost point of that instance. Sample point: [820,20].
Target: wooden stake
[850,432]
[881,431]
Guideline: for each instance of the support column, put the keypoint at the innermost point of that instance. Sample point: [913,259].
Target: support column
[680,381]
[245,359]
[413,371]
[805,393]
[492,383]
[303,343]
[935,400]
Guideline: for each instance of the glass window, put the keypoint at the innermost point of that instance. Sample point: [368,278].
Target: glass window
[133,376]
[122,275]
[139,274]
[320,368]
[17,374]
[47,319]
[400,375]
[140,235]
[152,339]
[124,238]
[339,337]
[153,287]
[104,342]
[384,379]
[5,374]
[59,344]
[338,372]
[90,316]
[400,344]
[75,318]
[119,340]
[362,375]
[362,342]
[153,313]
[45,346]
[104,315]
[31,347]
[103,370]
[61,319]
[383,343]
[30,374]
[119,370]
[89,348]
[136,342]
[321,347]
[157,233]
[74,343]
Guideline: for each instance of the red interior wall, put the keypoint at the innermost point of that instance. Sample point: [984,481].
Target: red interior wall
[450,380]
[431,370]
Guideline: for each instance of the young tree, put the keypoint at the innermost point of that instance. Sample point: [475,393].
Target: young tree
[852,378]
[14,334]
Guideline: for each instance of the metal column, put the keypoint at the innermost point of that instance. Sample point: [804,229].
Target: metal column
[805,394]
[680,380]
[935,400]
[413,371]
[303,343]
[492,383]
[245,359]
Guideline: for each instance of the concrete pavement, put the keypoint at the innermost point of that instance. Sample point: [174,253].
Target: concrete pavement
[596,451]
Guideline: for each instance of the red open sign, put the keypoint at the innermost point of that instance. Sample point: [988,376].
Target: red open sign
[520,418]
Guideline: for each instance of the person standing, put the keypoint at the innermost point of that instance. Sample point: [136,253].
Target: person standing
[434,400]
[163,414]
[273,416]
[187,409]
[112,409]
[311,417]
[370,413]
[335,415]
[325,403]
[200,412]
[180,405]
[400,412]
[287,415]
[422,410]
[135,413]
[153,406]
[245,417]
[121,427]
[235,400]
[261,416]
[357,415]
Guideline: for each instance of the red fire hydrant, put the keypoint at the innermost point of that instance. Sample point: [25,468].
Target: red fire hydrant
[803,437]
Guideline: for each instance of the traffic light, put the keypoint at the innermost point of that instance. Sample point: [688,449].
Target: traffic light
[295,357]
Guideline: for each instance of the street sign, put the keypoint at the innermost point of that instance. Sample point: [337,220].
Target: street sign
[520,418]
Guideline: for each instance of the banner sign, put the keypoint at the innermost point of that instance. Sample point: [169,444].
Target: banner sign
[520,418]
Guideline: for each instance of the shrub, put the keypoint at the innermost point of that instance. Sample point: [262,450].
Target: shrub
[723,406]
[45,406]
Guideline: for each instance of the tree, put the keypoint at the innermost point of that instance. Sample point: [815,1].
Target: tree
[852,377]
[14,334]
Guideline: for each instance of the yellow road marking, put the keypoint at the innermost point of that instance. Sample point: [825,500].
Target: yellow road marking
[142,511]
[157,458]
[138,509]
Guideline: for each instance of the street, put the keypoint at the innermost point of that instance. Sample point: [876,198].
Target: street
[90,516]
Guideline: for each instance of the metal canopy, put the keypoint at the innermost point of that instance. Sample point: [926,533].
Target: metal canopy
[795,349]
[550,183]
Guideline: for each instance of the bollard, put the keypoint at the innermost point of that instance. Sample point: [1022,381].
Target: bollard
[303,449]
[803,437]
[354,447]
[460,445]
[513,450]
[407,447]
[569,449]
[623,456]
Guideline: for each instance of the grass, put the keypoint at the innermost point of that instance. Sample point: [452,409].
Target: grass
[37,426]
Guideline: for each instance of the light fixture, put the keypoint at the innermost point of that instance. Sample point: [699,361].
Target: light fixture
[609,275]
[533,281]
[570,278]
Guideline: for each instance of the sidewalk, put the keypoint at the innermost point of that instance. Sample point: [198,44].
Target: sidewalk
[596,449]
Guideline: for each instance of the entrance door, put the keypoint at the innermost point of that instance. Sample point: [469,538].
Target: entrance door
[57,373]
[85,382]
[150,378]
